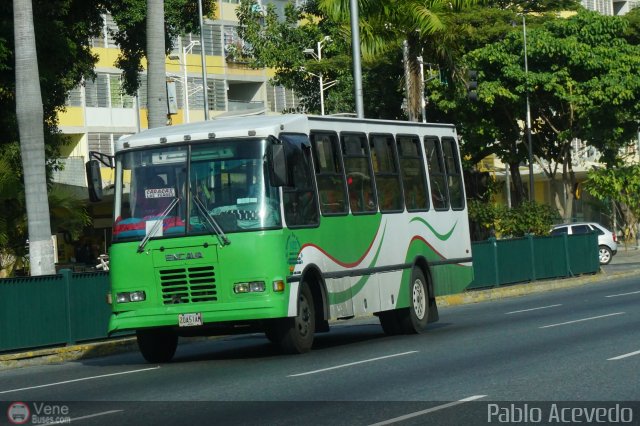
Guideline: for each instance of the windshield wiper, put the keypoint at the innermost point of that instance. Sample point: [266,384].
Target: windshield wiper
[211,221]
[156,225]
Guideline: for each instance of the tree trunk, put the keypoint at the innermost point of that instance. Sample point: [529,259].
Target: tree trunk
[413,79]
[516,177]
[156,79]
[30,116]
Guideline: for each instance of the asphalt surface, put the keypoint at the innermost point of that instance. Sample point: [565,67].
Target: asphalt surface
[575,349]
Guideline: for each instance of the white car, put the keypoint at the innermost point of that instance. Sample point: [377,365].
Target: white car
[607,240]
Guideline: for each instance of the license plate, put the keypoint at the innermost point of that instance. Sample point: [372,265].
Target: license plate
[189,320]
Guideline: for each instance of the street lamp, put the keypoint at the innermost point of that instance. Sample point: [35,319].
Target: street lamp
[183,64]
[203,59]
[318,57]
[528,130]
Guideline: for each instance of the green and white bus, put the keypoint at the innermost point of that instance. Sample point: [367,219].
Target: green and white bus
[281,224]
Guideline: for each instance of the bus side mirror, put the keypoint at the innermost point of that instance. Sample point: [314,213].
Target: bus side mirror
[277,159]
[94,180]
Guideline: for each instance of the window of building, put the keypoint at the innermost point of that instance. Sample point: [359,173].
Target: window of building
[329,173]
[360,185]
[119,99]
[413,175]
[385,169]
[97,92]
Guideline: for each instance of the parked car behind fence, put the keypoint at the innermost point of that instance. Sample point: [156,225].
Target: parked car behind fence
[607,240]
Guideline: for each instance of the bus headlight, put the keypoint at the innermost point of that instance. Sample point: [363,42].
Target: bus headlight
[250,287]
[131,296]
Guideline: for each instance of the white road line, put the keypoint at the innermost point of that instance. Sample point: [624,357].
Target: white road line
[427,411]
[104,413]
[615,358]
[350,364]
[80,380]
[623,294]
[533,309]
[583,319]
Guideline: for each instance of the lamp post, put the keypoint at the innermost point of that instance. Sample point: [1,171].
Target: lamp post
[317,55]
[185,85]
[203,59]
[528,129]
[186,49]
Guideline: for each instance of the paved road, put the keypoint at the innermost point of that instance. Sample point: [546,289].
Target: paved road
[574,345]
[627,259]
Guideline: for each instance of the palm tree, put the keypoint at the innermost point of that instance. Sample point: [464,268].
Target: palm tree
[30,115]
[387,24]
[156,79]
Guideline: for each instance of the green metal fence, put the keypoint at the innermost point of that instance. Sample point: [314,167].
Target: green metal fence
[52,310]
[498,262]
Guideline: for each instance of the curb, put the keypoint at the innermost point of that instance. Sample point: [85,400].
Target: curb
[57,355]
[521,289]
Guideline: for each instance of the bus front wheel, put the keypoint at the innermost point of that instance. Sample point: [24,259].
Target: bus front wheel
[157,345]
[295,335]
[413,319]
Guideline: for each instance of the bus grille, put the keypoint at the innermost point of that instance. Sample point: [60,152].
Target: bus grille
[188,285]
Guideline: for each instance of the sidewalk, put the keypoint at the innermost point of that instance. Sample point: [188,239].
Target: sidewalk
[625,263]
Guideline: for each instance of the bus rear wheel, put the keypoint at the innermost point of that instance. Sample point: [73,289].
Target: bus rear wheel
[413,320]
[157,345]
[295,335]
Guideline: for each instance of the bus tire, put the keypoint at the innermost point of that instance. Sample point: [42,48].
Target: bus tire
[295,335]
[157,345]
[413,319]
[390,323]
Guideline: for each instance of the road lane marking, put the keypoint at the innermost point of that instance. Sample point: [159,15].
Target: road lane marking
[623,294]
[533,309]
[104,413]
[80,380]
[350,364]
[428,410]
[615,358]
[583,319]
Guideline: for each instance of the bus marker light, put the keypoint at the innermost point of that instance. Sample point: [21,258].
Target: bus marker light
[109,299]
[278,285]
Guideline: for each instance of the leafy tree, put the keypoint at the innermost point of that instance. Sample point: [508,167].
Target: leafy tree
[181,16]
[387,24]
[279,43]
[621,185]
[580,87]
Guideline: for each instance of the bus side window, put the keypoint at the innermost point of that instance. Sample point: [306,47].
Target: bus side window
[437,175]
[454,175]
[300,201]
[385,169]
[414,180]
[355,152]
[329,174]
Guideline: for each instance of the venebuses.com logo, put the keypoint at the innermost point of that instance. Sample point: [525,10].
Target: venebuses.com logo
[18,413]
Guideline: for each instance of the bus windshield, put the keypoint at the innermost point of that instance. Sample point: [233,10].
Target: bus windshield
[200,188]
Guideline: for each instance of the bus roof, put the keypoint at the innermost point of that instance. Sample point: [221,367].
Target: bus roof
[266,125]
